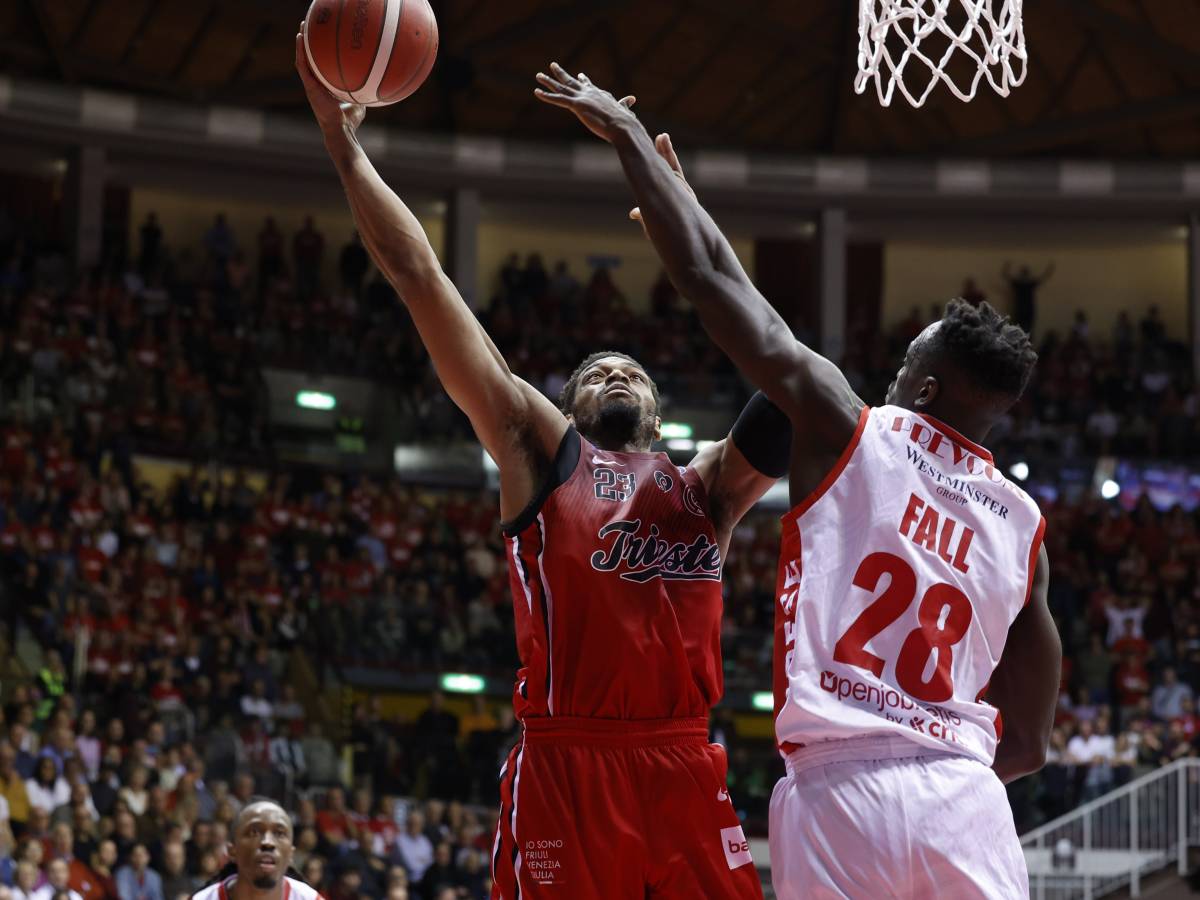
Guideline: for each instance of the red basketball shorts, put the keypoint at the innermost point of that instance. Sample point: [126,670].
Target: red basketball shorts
[595,809]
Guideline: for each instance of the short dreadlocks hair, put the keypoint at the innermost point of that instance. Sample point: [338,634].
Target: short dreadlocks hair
[993,353]
[566,397]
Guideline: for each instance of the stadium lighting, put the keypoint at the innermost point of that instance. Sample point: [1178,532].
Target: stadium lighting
[315,400]
[681,444]
[670,430]
[1019,470]
[1110,490]
[461,683]
[763,700]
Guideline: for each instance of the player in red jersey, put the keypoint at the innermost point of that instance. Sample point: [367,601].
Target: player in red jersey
[615,554]
[888,708]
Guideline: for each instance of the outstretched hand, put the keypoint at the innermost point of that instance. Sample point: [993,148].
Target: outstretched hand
[331,113]
[595,107]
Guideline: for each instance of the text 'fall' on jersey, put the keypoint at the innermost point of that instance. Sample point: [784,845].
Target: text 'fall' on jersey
[898,581]
[615,574]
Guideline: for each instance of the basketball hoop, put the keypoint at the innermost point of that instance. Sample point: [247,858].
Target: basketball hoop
[995,43]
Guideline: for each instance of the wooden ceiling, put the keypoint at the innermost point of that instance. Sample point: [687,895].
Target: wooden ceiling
[1113,79]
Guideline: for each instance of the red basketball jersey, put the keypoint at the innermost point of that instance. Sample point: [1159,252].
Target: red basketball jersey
[615,574]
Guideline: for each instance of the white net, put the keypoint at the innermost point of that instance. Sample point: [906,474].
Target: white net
[956,42]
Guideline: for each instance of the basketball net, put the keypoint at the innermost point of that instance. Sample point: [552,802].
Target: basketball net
[994,42]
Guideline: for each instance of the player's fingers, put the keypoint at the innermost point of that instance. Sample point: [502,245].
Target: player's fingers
[552,98]
[667,150]
[563,75]
[543,78]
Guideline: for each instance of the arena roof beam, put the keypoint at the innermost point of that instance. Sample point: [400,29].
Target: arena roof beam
[135,39]
[1076,128]
[53,40]
[1065,83]
[843,82]
[578,15]
[1140,37]
[813,39]
[194,41]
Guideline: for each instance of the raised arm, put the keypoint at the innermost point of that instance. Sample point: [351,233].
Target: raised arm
[518,426]
[1024,686]
[705,270]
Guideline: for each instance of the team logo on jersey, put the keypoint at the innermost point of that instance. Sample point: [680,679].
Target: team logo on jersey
[691,502]
[645,555]
[737,848]
[664,481]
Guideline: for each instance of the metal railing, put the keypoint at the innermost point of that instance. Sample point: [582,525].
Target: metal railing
[1114,841]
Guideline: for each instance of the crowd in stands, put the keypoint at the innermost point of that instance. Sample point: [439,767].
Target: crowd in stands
[167,615]
[1127,392]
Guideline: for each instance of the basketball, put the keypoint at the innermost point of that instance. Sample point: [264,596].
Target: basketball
[373,52]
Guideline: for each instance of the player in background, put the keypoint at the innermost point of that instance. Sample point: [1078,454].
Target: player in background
[911,627]
[615,557]
[261,851]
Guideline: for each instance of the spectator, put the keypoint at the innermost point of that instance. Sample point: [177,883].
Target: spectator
[12,786]
[414,850]
[58,875]
[135,795]
[1024,285]
[1093,749]
[103,863]
[27,882]
[219,241]
[270,255]
[1187,720]
[353,265]
[442,873]
[150,245]
[333,822]
[137,881]
[308,246]
[176,882]
[255,704]
[1168,698]
[47,790]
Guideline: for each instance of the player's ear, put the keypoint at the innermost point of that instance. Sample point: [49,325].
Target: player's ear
[930,387]
[657,428]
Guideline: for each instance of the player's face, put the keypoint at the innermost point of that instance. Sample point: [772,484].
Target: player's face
[614,398]
[262,846]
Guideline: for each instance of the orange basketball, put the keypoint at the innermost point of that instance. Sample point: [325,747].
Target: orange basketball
[374,52]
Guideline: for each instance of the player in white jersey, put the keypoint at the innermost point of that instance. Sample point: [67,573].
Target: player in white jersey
[261,850]
[912,624]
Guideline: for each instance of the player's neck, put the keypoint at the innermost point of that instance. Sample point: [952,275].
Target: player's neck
[244,889]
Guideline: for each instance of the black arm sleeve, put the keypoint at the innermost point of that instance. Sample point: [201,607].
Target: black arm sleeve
[763,434]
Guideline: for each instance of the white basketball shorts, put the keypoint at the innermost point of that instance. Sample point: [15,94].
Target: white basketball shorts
[887,822]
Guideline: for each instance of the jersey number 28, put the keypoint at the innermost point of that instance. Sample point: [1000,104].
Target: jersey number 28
[938,602]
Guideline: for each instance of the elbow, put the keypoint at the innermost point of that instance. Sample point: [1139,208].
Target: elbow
[1023,755]
[1033,759]
[411,274]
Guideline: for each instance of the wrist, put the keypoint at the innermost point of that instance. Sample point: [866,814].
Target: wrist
[626,131]
[340,142]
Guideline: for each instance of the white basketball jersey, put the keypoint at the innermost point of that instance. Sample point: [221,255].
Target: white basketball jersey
[899,578]
[293,889]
